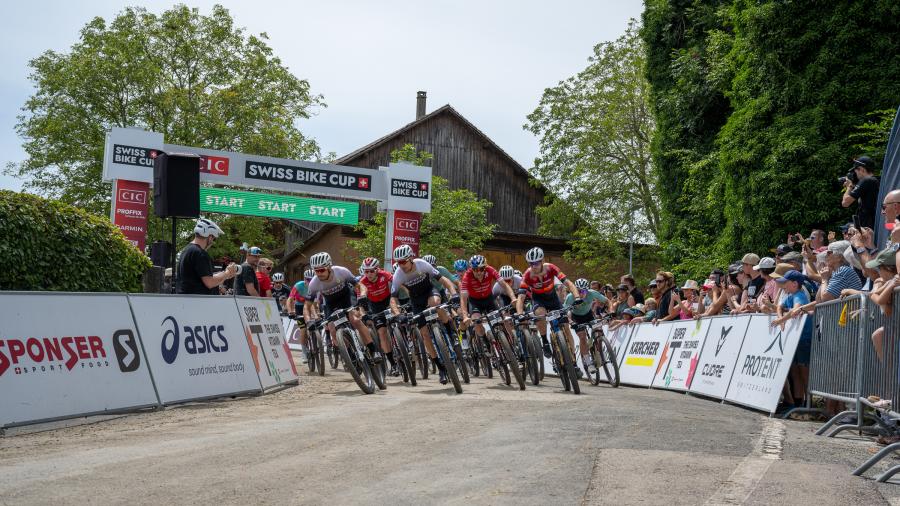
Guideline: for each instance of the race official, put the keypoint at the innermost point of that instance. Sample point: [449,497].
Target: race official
[195,270]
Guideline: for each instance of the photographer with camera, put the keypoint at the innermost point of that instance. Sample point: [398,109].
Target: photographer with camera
[861,185]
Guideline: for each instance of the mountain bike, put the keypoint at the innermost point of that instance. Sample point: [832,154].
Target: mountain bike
[443,344]
[359,362]
[314,345]
[504,358]
[602,353]
[561,355]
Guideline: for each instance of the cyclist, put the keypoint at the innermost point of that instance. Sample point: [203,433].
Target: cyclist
[280,291]
[583,313]
[460,266]
[432,260]
[475,293]
[416,275]
[295,303]
[539,280]
[335,284]
[377,283]
[508,275]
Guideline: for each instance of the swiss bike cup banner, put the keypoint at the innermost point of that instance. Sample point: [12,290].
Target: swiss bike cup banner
[763,362]
[268,347]
[719,355]
[642,357]
[84,358]
[681,355]
[196,346]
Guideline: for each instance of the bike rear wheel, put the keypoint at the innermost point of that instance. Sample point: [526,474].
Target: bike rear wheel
[333,353]
[444,356]
[359,369]
[512,361]
[607,356]
[539,350]
[420,355]
[313,352]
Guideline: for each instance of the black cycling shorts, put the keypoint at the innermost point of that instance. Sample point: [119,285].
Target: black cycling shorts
[482,306]
[420,304]
[583,318]
[548,301]
[378,307]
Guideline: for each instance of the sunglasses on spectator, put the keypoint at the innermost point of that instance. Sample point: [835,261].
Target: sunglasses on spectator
[322,269]
[660,281]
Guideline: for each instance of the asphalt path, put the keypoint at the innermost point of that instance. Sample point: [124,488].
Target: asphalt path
[325,442]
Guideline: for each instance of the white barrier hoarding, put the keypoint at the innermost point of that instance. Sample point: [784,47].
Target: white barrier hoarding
[66,354]
[291,333]
[619,339]
[719,355]
[681,354]
[196,346]
[641,360]
[271,355]
[763,362]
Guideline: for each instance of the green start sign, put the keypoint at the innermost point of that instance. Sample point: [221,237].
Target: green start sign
[220,200]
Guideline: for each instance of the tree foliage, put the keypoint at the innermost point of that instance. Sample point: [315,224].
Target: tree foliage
[198,79]
[457,221]
[755,103]
[47,245]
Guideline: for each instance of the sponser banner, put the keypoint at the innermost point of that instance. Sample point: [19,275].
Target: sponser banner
[681,355]
[196,346]
[269,349]
[641,360]
[84,359]
[719,355]
[619,339]
[763,362]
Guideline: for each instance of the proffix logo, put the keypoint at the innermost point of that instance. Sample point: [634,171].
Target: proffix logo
[406,224]
[63,354]
[217,165]
[128,196]
[198,339]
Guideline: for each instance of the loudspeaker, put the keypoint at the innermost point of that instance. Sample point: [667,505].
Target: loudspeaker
[160,253]
[176,186]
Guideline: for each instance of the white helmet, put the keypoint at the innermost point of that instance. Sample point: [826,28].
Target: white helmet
[320,260]
[582,284]
[403,252]
[206,228]
[309,274]
[369,263]
[430,259]
[278,277]
[506,272]
[534,255]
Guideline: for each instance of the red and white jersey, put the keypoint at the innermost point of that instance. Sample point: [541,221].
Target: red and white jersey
[380,289]
[542,283]
[479,288]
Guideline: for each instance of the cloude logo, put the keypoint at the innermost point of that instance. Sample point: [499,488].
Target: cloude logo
[198,339]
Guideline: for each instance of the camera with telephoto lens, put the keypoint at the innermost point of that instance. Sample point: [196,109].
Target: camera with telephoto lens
[237,272]
[851,176]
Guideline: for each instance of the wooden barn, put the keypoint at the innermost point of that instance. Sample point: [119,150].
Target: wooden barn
[468,159]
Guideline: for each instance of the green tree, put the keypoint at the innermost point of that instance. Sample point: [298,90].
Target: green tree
[198,79]
[756,103]
[457,221]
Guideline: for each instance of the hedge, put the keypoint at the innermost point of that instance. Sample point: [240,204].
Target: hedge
[46,245]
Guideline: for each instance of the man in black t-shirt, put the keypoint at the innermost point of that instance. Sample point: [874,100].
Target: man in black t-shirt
[195,270]
[247,283]
[865,191]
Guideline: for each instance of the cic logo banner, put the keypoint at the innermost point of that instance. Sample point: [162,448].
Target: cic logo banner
[406,224]
[127,195]
[217,165]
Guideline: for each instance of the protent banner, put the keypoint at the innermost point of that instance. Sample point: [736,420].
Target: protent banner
[268,347]
[82,358]
[719,355]
[196,346]
[641,360]
[619,339]
[763,362]
[681,355]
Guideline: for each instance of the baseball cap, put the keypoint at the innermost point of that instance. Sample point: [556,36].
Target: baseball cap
[793,256]
[783,249]
[255,251]
[791,275]
[622,287]
[838,247]
[845,227]
[885,257]
[750,258]
[864,161]
[765,263]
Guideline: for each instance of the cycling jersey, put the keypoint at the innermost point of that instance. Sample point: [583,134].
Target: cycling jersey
[479,288]
[280,293]
[585,307]
[444,272]
[417,281]
[336,289]
[498,291]
[380,289]
[298,292]
[542,283]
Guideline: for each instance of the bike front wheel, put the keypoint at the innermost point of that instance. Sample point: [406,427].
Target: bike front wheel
[512,361]
[444,356]
[568,364]
[359,368]
[607,356]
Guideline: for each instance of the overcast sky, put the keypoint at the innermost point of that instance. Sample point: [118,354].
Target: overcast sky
[491,60]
